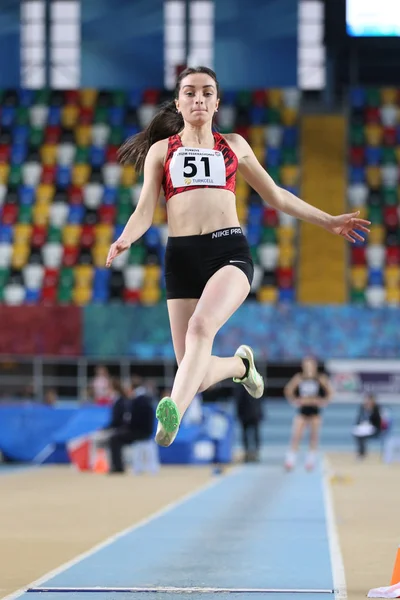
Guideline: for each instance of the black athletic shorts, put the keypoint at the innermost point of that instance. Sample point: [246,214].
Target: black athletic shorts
[191,260]
[309,410]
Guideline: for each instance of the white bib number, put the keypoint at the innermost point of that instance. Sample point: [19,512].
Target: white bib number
[197,166]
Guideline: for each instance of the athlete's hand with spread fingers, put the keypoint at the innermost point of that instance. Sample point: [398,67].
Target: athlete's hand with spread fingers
[348,226]
[116,249]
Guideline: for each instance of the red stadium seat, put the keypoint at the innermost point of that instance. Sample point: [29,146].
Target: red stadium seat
[71,97]
[10,214]
[5,152]
[52,134]
[358,255]
[131,296]
[86,115]
[49,295]
[391,217]
[39,236]
[270,217]
[87,236]
[111,154]
[50,278]
[107,214]
[389,136]
[48,174]
[357,156]
[393,255]
[75,194]
[70,256]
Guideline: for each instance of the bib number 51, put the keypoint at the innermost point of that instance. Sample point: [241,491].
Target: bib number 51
[190,168]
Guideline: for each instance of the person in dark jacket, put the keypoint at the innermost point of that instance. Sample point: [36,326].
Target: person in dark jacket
[368,424]
[132,420]
[249,413]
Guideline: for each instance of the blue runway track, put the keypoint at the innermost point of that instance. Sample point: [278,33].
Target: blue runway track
[254,530]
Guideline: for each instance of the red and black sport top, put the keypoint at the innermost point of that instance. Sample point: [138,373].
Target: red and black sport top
[230,160]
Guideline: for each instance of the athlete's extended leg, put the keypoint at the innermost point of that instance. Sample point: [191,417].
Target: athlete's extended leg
[212,310]
[315,426]
[299,425]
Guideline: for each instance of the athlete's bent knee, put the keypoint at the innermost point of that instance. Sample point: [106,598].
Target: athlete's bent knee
[201,326]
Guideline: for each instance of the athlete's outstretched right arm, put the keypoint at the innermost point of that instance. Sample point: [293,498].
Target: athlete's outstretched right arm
[140,221]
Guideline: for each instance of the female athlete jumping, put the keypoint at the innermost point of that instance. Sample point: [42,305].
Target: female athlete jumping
[208,266]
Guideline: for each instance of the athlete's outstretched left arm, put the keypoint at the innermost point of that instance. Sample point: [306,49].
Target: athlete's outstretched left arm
[256,176]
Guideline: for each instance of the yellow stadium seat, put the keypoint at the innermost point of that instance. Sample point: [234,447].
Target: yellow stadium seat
[286,235]
[83,275]
[259,151]
[45,193]
[22,233]
[82,295]
[160,215]
[4,169]
[374,134]
[71,235]
[290,175]
[243,192]
[286,256]
[397,151]
[359,277]
[99,254]
[48,154]
[41,214]
[377,234]
[267,294]
[88,97]
[152,274]
[289,116]
[392,276]
[274,98]
[69,116]
[393,295]
[80,174]
[150,294]
[20,256]
[374,176]
[83,135]
[128,175]
[257,137]
[103,233]
[389,96]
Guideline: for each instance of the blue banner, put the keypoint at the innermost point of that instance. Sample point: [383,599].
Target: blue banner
[122,43]
[256,43]
[277,333]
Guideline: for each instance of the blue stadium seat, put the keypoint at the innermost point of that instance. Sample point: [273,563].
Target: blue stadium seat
[257,115]
[273,157]
[18,153]
[152,238]
[134,98]
[7,116]
[97,156]
[26,195]
[376,277]
[356,174]
[32,296]
[357,97]
[373,155]
[76,214]
[20,134]
[116,115]
[63,176]
[6,233]
[290,138]
[254,233]
[286,295]
[130,130]
[26,97]
[255,214]
[229,97]
[54,116]
[109,196]
[118,231]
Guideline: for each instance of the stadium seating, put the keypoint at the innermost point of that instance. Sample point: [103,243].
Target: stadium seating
[373,188]
[64,198]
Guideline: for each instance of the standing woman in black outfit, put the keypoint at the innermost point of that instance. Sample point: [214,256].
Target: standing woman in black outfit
[309,391]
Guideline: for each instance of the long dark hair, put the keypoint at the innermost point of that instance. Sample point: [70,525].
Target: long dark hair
[165,123]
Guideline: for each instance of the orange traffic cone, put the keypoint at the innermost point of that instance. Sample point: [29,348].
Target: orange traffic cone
[100,462]
[396,570]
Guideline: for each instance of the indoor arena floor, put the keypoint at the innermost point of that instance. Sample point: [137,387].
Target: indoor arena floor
[252,532]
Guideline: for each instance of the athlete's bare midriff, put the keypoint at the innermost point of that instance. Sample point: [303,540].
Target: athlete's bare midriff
[196,212]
